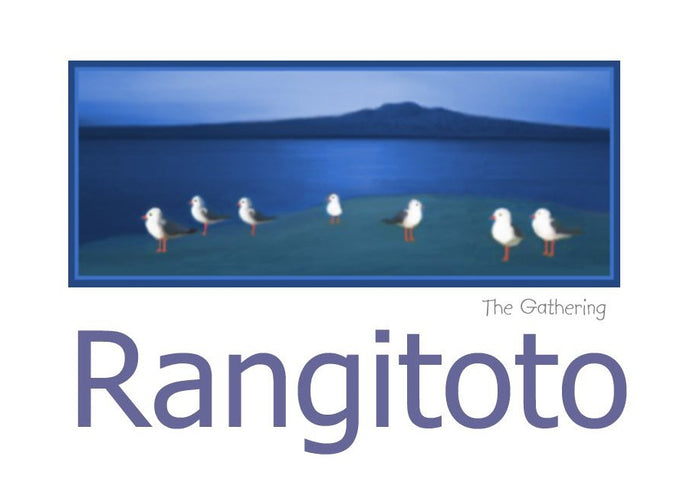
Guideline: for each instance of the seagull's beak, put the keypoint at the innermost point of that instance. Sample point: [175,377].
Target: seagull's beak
[238,204]
[191,203]
[532,217]
[144,217]
[493,218]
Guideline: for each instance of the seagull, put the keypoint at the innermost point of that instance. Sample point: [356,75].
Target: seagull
[201,213]
[548,229]
[504,231]
[163,229]
[333,208]
[250,215]
[408,218]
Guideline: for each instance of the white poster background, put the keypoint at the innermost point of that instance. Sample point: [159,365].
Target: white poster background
[645,329]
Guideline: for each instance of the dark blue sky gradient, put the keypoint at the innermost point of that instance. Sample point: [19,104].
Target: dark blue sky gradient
[153,96]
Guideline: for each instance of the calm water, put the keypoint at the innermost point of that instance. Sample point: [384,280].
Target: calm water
[120,179]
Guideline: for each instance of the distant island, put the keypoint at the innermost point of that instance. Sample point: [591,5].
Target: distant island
[395,120]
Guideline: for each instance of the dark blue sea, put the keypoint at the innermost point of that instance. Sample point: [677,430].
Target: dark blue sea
[120,179]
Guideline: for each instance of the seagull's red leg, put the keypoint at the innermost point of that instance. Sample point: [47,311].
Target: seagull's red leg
[411,234]
[506,255]
[205,229]
[165,245]
[160,246]
[405,229]
[546,248]
[332,220]
[338,219]
[253,229]
[553,247]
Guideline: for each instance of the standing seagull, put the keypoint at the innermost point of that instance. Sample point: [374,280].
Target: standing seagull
[203,215]
[550,230]
[504,231]
[333,208]
[250,215]
[162,229]
[408,218]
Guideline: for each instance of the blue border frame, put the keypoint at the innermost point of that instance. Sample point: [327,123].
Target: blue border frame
[611,280]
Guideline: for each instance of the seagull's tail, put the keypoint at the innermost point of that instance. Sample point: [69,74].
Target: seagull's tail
[388,220]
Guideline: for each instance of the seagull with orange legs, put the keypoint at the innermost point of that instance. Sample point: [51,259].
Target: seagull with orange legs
[550,230]
[203,215]
[163,229]
[408,219]
[250,215]
[333,208]
[504,231]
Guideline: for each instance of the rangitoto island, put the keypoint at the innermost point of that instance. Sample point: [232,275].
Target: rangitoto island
[392,120]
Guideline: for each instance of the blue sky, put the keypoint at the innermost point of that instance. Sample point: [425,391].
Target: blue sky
[147,96]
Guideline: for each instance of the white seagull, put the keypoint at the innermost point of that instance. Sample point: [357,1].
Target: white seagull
[333,208]
[550,230]
[162,229]
[202,214]
[504,231]
[250,215]
[408,218]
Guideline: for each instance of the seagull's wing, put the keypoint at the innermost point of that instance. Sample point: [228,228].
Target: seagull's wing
[259,217]
[173,229]
[398,219]
[212,216]
[558,227]
[517,231]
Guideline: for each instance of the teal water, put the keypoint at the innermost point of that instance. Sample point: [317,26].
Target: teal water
[119,180]
[453,240]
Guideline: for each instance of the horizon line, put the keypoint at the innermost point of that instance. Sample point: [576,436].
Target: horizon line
[301,118]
